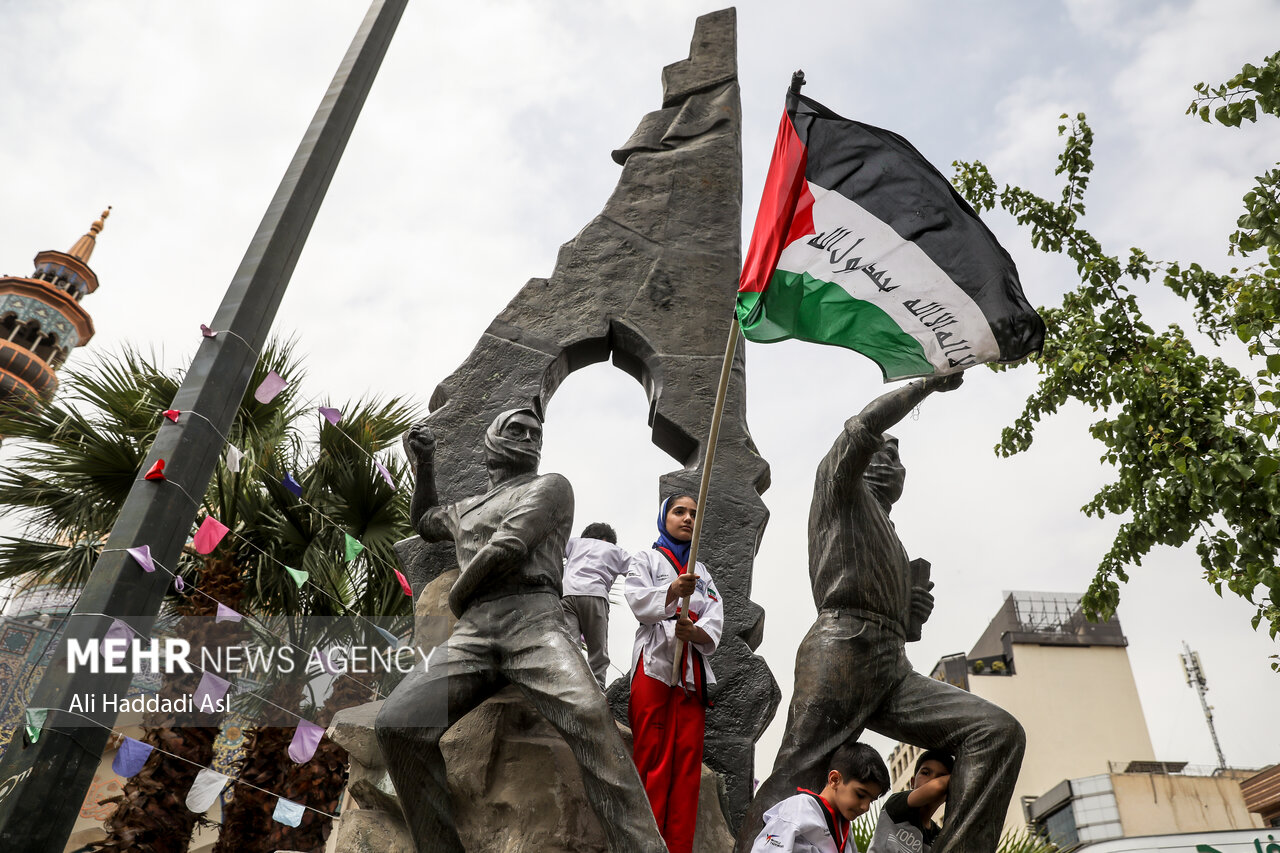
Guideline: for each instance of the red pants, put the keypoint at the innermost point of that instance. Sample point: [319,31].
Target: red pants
[668,726]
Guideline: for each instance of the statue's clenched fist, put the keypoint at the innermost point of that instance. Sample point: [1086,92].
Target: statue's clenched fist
[420,443]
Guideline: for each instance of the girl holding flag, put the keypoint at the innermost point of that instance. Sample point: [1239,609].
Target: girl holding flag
[668,712]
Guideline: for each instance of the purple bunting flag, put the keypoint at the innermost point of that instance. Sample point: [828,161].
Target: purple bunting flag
[386,475]
[130,757]
[331,415]
[142,554]
[270,387]
[207,332]
[292,485]
[326,663]
[305,740]
[226,614]
[210,692]
[115,644]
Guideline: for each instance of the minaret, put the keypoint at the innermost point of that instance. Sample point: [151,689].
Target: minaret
[41,320]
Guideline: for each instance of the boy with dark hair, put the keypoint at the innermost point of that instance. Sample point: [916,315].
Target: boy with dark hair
[819,823]
[592,562]
[905,824]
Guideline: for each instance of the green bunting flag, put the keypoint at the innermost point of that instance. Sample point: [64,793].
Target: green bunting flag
[353,547]
[35,722]
[298,575]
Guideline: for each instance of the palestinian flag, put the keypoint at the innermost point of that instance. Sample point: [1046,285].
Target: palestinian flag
[861,243]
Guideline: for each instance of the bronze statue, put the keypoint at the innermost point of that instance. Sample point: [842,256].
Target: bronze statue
[852,671]
[510,630]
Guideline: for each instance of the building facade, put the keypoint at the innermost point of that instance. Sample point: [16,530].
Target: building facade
[1142,799]
[1089,773]
[41,319]
[1067,680]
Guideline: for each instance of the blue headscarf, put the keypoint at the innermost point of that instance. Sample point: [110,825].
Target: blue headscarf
[675,546]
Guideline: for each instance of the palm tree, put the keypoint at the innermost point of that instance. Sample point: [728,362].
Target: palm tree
[77,460]
[342,492]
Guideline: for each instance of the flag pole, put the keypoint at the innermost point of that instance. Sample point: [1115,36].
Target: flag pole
[797,80]
[712,437]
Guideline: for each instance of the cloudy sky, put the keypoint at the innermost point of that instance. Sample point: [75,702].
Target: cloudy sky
[485,145]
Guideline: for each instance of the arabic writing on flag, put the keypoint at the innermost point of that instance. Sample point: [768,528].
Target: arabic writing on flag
[861,243]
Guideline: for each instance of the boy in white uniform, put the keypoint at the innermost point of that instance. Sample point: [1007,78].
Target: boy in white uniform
[819,823]
[592,562]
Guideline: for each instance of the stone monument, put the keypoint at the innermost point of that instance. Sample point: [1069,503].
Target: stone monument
[650,283]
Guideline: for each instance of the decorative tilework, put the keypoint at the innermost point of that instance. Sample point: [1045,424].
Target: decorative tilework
[16,641]
[50,320]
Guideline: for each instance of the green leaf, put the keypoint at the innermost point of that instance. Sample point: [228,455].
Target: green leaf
[1265,466]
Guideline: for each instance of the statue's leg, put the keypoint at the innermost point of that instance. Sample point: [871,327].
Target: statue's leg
[844,669]
[460,674]
[987,742]
[549,669]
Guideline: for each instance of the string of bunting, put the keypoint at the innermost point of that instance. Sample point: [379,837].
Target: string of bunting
[142,556]
[268,390]
[133,754]
[207,538]
[213,687]
[212,530]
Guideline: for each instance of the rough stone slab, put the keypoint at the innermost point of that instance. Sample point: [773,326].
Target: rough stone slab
[352,729]
[651,283]
[362,831]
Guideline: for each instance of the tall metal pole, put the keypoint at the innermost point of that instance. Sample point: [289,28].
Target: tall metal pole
[43,785]
[1194,672]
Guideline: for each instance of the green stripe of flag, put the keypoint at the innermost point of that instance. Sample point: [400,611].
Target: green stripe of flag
[797,305]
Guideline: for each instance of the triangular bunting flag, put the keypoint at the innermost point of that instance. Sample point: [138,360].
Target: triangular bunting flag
[226,614]
[207,332]
[172,414]
[322,658]
[210,692]
[205,790]
[299,576]
[178,583]
[386,475]
[287,812]
[130,757]
[209,535]
[404,584]
[351,547]
[35,722]
[233,457]
[142,554]
[156,472]
[292,485]
[305,740]
[270,387]
[116,642]
[331,415]
[388,636]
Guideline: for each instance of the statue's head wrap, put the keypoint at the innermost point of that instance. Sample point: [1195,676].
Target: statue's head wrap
[509,455]
[885,474]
